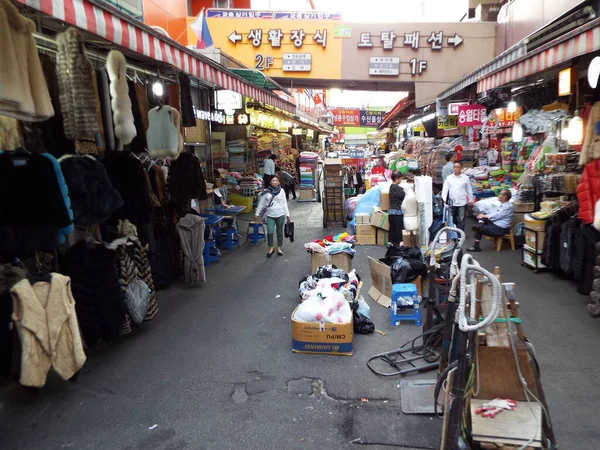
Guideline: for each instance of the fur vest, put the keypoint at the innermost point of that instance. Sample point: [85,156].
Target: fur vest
[47,324]
[186,180]
[591,143]
[163,136]
[23,89]
[78,99]
[93,197]
[125,129]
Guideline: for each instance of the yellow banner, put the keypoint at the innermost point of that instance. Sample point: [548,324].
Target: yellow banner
[280,47]
[450,122]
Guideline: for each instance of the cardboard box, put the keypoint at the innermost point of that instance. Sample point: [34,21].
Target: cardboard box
[410,238]
[363,219]
[306,194]
[384,201]
[535,239]
[366,230]
[341,260]
[380,219]
[366,240]
[382,237]
[381,282]
[322,338]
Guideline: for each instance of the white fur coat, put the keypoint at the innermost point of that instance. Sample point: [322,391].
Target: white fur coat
[121,104]
[23,90]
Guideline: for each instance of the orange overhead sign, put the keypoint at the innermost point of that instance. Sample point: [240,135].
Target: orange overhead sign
[293,44]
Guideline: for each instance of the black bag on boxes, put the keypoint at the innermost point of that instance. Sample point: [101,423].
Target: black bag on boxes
[406,263]
[445,261]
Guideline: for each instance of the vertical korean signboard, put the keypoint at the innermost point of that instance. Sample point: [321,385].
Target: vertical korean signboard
[471,115]
[280,43]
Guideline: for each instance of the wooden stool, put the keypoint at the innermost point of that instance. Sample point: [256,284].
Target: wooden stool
[510,237]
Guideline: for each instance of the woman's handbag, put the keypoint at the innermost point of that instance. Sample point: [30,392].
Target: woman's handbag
[263,213]
[288,230]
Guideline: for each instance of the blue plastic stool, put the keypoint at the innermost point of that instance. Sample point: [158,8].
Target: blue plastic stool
[229,238]
[256,232]
[413,311]
[208,258]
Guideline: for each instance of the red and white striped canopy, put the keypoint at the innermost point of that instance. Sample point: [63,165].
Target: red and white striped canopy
[135,36]
[546,57]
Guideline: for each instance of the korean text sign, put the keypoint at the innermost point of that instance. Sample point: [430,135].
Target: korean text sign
[279,44]
[371,118]
[346,117]
[471,115]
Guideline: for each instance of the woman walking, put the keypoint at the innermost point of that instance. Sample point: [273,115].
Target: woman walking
[395,214]
[273,205]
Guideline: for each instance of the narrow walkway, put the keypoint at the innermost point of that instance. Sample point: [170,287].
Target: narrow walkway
[215,369]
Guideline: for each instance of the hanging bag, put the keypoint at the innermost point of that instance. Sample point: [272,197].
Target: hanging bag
[288,230]
[263,213]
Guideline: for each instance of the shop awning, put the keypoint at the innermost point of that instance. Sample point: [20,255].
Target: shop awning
[581,41]
[107,22]
[258,78]
[517,62]
[400,107]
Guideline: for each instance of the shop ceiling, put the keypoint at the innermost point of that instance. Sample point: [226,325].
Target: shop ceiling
[105,28]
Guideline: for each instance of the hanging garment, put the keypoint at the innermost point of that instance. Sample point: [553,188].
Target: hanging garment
[9,134]
[78,99]
[133,264]
[49,135]
[93,197]
[160,256]
[186,179]
[138,144]
[163,134]
[32,206]
[9,276]
[128,177]
[144,106]
[123,120]
[188,118]
[64,232]
[584,258]
[44,314]
[568,234]
[23,89]
[105,109]
[100,300]
[191,232]
[159,184]
[588,191]
[591,144]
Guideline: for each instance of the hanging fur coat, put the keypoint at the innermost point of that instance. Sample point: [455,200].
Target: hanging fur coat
[93,197]
[125,129]
[78,99]
[48,329]
[23,89]
[188,118]
[591,143]
[191,233]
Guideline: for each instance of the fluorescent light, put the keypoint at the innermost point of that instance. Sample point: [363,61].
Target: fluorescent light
[517,132]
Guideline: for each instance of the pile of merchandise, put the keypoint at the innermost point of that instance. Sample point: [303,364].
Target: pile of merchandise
[341,243]
[330,295]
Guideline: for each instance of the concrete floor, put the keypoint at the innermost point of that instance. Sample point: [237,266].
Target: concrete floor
[215,369]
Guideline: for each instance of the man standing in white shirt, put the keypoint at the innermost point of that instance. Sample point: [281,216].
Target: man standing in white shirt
[495,224]
[449,167]
[269,170]
[458,193]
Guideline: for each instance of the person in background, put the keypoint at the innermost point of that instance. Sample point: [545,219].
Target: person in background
[355,180]
[458,193]
[288,182]
[274,205]
[395,214]
[495,224]
[219,193]
[269,169]
[449,167]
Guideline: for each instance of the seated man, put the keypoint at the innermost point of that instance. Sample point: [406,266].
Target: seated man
[495,224]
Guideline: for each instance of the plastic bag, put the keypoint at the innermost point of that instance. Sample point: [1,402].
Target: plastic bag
[325,306]
[363,307]
[400,271]
[362,324]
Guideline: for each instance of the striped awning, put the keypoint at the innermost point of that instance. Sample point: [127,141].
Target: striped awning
[579,42]
[517,62]
[105,21]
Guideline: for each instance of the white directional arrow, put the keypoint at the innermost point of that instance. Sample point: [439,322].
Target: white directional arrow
[456,40]
[235,37]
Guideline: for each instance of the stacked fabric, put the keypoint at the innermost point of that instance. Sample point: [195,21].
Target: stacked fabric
[307,178]
[309,157]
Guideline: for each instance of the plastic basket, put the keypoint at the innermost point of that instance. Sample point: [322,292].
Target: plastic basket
[349,192]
